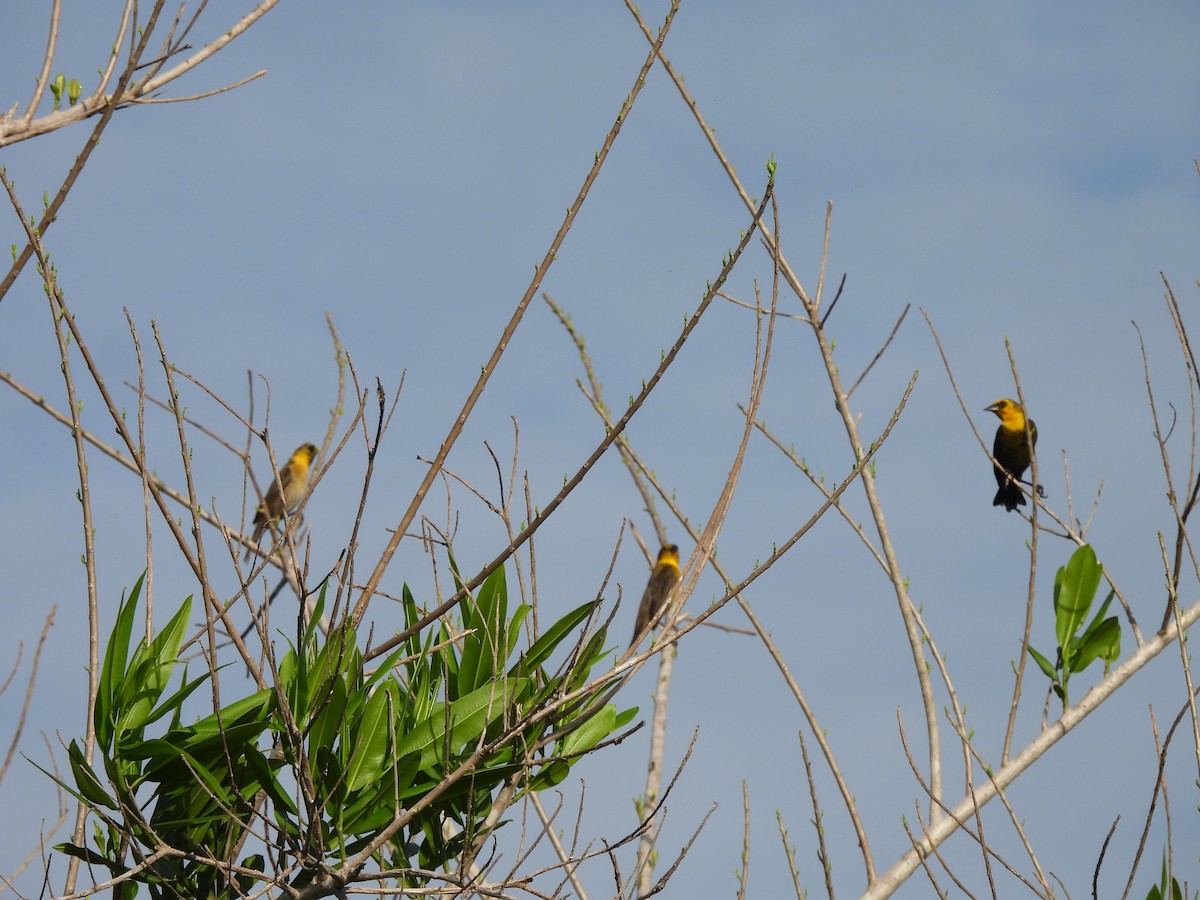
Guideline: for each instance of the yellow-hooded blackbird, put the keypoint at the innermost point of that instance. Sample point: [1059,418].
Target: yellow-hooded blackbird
[294,478]
[1012,451]
[658,589]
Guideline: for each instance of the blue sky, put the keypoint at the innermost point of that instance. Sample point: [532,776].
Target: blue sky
[1023,172]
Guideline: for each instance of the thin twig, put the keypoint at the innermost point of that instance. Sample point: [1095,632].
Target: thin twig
[1100,860]
[789,853]
[1023,654]
[818,820]
[744,870]
[879,355]
[19,726]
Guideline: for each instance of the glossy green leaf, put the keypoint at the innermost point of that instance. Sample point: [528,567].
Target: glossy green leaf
[493,600]
[384,670]
[264,771]
[254,707]
[150,671]
[372,735]
[1071,660]
[412,616]
[625,717]
[292,679]
[85,778]
[1075,587]
[312,627]
[336,657]
[1103,643]
[90,857]
[468,718]
[598,726]
[484,650]
[514,628]
[1099,616]
[112,670]
[591,654]
[329,718]
[174,703]
[554,772]
[425,684]
[371,809]
[539,651]
[1045,665]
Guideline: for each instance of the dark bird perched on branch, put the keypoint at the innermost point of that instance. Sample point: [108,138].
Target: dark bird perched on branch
[658,589]
[294,478]
[1013,451]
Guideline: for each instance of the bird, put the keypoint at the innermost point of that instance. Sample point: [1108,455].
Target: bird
[294,478]
[658,589]
[1013,452]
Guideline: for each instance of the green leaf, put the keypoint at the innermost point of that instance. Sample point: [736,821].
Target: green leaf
[411,617]
[384,668]
[624,718]
[446,660]
[249,709]
[554,772]
[539,651]
[372,734]
[150,671]
[290,668]
[85,779]
[425,682]
[326,725]
[1045,665]
[174,703]
[514,628]
[468,718]
[112,670]
[599,726]
[484,652]
[1104,643]
[493,600]
[1089,637]
[264,770]
[370,810]
[1074,589]
[186,800]
[90,857]
[591,654]
[56,88]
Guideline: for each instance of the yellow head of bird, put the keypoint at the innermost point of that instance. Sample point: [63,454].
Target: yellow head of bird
[1009,412]
[668,556]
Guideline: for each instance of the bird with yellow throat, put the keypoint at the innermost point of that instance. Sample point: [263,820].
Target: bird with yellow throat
[293,478]
[1013,450]
[663,579]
